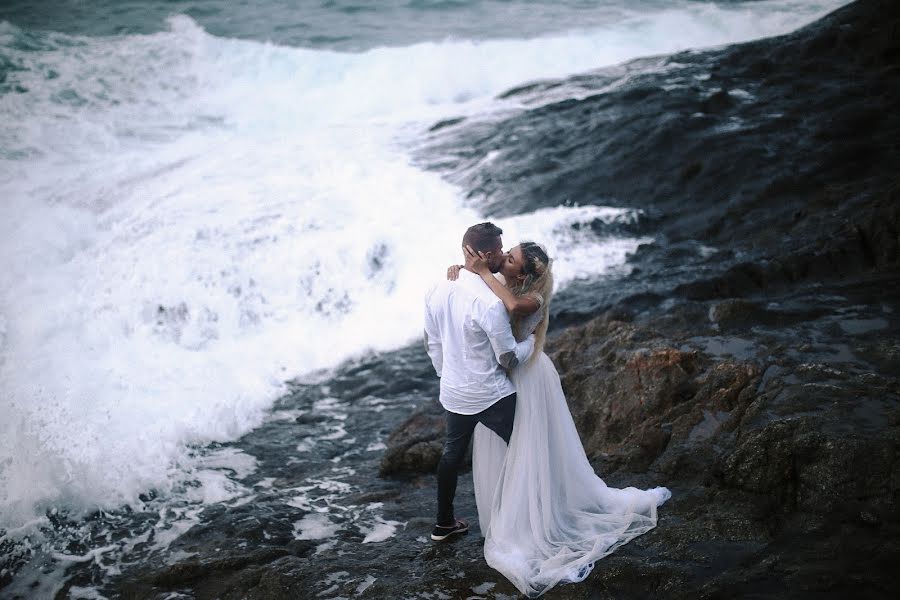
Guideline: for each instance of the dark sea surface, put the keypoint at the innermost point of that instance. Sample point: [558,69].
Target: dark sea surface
[217,220]
[333,24]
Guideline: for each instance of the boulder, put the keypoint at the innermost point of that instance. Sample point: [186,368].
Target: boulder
[415,446]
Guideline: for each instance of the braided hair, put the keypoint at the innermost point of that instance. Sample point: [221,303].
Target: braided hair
[536,264]
[538,283]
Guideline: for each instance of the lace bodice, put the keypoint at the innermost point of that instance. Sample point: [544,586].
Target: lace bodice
[527,325]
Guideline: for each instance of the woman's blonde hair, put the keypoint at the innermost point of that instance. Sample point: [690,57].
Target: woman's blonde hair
[538,282]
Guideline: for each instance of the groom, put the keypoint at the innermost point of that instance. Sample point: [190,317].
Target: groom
[471,345]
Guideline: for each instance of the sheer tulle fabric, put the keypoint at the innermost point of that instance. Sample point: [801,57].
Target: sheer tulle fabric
[545,515]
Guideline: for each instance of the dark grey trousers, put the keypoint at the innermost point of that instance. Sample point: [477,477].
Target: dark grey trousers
[498,417]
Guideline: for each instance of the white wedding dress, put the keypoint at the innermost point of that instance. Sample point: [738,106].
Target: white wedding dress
[545,514]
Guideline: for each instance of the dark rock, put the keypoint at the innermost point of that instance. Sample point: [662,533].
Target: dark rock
[736,312]
[310,418]
[415,446]
[691,171]
[446,123]
[718,102]
[190,571]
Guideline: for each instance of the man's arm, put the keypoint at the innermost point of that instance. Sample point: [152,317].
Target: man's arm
[433,337]
[508,352]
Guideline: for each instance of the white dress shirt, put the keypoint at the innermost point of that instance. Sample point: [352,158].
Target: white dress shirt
[468,337]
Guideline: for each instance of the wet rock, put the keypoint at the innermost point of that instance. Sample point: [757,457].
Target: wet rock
[415,446]
[735,311]
[763,455]
[189,571]
[765,461]
[718,102]
[634,403]
[798,467]
[446,123]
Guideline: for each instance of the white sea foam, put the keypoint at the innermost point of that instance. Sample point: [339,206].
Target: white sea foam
[314,526]
[366,583]
[187,221]
[82,593]
[484,588]
[306,445]
[380,530]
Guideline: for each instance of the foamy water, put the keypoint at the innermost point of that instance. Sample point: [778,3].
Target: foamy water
[187,221]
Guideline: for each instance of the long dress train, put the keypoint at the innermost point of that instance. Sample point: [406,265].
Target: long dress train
[545,514]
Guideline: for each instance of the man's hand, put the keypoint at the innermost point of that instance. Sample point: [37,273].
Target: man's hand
[476,261]
[510,360]
[453,272]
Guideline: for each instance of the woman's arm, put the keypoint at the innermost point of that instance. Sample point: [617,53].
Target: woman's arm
[516,305]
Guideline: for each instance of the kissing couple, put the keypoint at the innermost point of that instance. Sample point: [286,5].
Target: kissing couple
[545,515]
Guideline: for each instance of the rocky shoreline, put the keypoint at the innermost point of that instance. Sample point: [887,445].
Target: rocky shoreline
[749,361]
[757,377]
[775,425]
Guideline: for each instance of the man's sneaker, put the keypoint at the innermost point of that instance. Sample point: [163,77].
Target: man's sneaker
[440,533]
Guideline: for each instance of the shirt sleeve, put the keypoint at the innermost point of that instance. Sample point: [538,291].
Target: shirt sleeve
[499,331]
[433,337]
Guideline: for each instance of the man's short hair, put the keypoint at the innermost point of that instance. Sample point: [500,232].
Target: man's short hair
[482,237]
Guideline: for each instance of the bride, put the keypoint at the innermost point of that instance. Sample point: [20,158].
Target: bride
[546,517]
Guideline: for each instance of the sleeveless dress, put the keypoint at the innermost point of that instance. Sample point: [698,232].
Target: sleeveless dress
[545,514]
